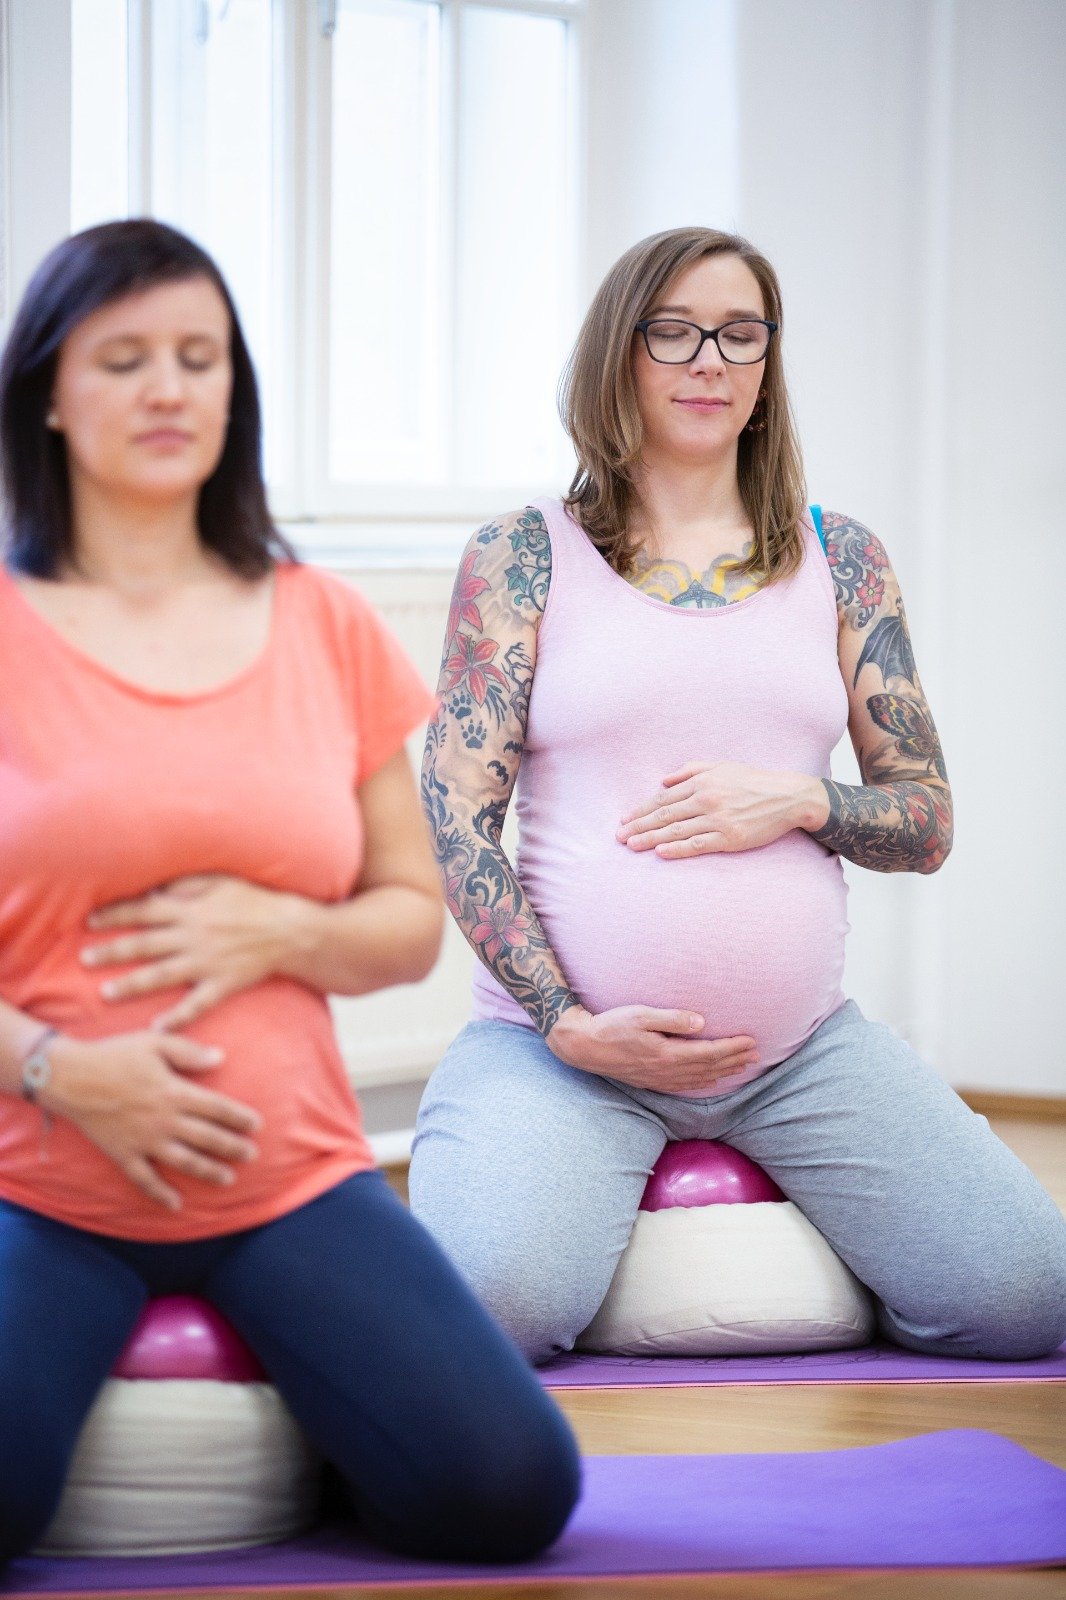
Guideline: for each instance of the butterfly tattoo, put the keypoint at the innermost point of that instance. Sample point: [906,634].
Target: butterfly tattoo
[912,729]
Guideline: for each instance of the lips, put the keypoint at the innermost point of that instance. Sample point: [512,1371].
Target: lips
[165,437]
[697,403]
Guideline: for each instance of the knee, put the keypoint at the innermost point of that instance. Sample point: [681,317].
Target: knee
[511,1502]
[1023,1310]
[540,1326]
[537,1303]
[538,1317]
[1026,1320]
[1009,1306]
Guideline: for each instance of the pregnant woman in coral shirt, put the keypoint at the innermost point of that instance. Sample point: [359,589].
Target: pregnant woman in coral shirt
[208,824]
[658,667]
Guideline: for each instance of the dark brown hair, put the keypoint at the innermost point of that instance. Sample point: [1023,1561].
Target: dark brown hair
[87,271]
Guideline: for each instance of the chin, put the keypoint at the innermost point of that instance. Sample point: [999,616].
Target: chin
[159,488]
[703,444]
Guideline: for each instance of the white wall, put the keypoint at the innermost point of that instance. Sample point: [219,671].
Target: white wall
[903,165]
[1006,926]
[34,136]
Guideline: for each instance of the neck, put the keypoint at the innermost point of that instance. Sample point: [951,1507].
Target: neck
[695,497]
[138,548]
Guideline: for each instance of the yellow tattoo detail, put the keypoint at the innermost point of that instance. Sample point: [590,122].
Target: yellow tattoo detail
[676,584]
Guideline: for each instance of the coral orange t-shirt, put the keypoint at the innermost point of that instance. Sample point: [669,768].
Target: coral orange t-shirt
[108,790]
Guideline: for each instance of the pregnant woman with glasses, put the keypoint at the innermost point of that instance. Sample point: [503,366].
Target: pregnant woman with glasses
[207,825]
[659,667]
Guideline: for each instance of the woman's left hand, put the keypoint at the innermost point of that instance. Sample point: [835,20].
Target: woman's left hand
[212,933]
[708,807]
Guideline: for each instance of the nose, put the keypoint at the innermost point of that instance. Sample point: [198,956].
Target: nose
[166,382]
[708,358]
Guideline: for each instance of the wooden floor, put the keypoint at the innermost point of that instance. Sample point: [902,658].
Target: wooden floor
[795,1417]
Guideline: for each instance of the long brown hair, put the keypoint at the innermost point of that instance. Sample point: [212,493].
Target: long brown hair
[598,404]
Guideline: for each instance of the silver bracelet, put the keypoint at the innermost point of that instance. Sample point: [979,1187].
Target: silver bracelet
[36,1067]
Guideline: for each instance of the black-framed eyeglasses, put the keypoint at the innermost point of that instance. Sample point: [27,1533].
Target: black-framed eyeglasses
[677,343]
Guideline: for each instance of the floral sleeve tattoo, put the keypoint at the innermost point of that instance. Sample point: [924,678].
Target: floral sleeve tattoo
[899,819]
[473,751]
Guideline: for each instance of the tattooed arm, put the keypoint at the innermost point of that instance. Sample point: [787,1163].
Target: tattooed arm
[899,819]
[474,748]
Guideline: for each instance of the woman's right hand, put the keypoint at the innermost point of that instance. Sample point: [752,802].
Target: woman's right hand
[130,1096]
[649,1048]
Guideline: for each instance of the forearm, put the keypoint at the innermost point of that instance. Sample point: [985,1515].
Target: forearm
[888,827]
[380,937]
[481,887]
[491,908]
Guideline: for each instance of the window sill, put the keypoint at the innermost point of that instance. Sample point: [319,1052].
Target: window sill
[435,545]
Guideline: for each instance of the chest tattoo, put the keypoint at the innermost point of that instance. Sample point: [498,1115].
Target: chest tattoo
[679,585]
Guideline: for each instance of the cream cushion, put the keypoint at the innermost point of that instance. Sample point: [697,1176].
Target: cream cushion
[729,1280]
[165,1466]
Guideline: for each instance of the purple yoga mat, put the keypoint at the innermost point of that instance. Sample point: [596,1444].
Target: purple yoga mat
[963,1498]
[872,1363]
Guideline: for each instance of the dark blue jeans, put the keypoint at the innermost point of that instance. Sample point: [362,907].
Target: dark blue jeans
[447,1445]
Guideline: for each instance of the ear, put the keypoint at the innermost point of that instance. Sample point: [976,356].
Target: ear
[52,419]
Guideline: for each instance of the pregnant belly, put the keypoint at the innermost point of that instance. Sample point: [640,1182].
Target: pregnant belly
[753,941]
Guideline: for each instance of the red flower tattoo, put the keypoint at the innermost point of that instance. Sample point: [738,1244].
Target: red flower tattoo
[872,553]
[500,927]
[467,588]
[870,592]
[469,666]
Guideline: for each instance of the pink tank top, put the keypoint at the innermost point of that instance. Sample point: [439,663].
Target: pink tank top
[627,689]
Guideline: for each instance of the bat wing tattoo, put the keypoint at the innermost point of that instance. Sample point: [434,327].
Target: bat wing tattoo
[889,647]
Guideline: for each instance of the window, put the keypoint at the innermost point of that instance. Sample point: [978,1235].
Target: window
[388,186]
[99,112]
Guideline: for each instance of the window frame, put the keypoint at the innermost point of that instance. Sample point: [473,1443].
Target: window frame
[381,524]
[364,513]
[372,522]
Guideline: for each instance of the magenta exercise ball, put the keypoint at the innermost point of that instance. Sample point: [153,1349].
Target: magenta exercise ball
[179,1336]
[702,1172]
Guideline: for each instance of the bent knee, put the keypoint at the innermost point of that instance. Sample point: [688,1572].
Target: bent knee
[516,1500]
[540,1323]
[539,1305]
[497,1498]
[1016,1330]
[1011,1310]
[1024,1313]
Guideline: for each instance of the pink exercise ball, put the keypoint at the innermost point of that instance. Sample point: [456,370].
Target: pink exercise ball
[702,1172]
[179,1336]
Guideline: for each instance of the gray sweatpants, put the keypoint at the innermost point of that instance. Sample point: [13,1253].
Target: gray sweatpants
[530,1173]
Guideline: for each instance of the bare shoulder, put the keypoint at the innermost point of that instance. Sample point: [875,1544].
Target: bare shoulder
[862,573]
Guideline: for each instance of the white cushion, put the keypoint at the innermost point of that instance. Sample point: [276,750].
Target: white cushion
[165,1466]
[729,1280]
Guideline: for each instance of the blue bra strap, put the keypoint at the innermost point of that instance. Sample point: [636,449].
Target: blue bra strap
[816,514]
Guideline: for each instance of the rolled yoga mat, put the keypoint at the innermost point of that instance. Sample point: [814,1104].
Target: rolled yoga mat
[958,1499]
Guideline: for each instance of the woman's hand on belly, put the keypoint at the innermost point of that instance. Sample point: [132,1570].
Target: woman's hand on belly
[648,1048]
[214,935]
[129,1096]
[713,806]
